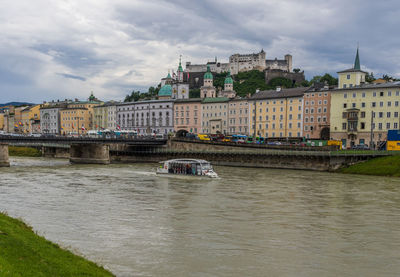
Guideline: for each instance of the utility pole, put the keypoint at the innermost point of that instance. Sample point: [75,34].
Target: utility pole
[371,142]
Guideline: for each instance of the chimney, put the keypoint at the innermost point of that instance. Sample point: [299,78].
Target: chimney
[278,88]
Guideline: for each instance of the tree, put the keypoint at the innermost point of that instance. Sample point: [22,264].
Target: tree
[296,70]
[281,82]
[369,77]
[194,93]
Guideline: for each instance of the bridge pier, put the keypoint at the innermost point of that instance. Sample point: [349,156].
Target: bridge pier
[90,153]
[4,162]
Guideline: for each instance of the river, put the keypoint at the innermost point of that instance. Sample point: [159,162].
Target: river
[249,222]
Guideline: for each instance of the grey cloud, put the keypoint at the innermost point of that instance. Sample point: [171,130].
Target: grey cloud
[70,76]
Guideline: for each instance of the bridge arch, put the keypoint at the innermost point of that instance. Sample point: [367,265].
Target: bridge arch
[181,133]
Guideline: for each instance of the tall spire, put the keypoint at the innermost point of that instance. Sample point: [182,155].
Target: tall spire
[357,61]
[180,69]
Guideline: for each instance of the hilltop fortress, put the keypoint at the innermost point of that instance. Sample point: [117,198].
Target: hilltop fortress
[246,62]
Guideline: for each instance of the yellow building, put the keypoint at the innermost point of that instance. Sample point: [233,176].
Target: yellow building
[363,111]
[86,111]
[75,121]
[2,121]
[30,120]
[277,113]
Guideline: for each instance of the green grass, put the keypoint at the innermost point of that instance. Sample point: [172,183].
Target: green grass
[382,166]
[23,253]
[23,151]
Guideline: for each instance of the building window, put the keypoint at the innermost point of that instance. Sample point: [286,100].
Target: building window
[381,93]
[374,94]
[363,95]
[389,104]
[348,76]
[344,125]
[373,104]
[388,114]
[388,125]
[353,105]
[363,105]
[389,93]
[362,125]
[396,114]
[381,104]
[344,105]
[354,95]
[380,114]
[344,115]
[380,126]
[395,125]
[362,114]
[345,95]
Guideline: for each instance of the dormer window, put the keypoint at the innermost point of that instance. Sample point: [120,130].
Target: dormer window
[348,76]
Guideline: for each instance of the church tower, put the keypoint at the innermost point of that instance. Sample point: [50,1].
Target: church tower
[352,77]
[208,90]
[180,71]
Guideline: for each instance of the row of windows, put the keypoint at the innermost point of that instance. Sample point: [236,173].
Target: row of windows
[311,119]
[274,117]
[187,107]
[353,126]
[308,95]
[187,121]
[374,94]
[274,102]
[273,134]
[280,109]
[142,108]
[319,110]
[274,126]
[312,103]
[374,114]
[373,104]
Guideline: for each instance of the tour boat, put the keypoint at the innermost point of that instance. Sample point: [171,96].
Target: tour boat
[187,167]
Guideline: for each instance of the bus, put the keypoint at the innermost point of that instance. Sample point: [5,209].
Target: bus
[239,138]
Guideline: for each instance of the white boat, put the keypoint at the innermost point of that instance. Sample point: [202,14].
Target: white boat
[187,167]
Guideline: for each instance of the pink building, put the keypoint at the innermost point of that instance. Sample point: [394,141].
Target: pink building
[316,121]
[187,115]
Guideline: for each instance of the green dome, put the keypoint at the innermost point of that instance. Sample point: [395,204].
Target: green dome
[208,74]
[166,90]
[228,79]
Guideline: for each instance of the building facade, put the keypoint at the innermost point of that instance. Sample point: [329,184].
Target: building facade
[362,113]
[188,114]
[105,116]
[146,117]
[238,117]
[75,121]
[316,117]
[215,115]
[277,113]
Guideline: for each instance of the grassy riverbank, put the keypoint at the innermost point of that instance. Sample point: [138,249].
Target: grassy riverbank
[23,253]
[23,151]
[383,166]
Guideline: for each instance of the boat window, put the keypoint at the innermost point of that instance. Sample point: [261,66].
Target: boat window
[206,166]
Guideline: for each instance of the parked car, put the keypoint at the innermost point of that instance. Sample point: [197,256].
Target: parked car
[360,147]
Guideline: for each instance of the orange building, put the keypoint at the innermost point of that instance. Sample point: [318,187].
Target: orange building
[316,118]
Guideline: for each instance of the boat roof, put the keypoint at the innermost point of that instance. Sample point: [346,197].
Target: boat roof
[185,161]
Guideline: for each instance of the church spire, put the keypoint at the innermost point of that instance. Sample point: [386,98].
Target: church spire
[357,62]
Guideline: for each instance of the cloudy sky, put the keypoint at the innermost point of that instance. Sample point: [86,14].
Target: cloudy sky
[68,48]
